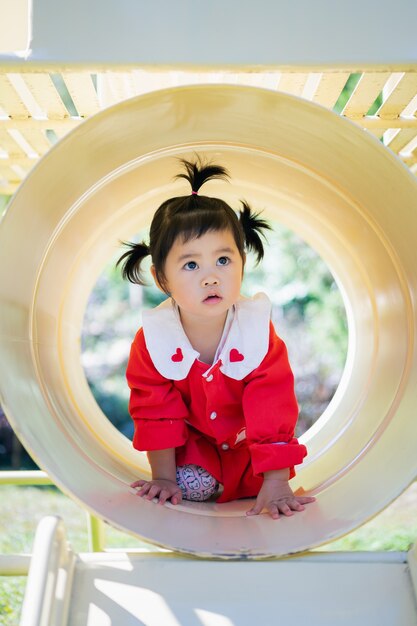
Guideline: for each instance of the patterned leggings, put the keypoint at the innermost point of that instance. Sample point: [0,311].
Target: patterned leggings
[196,483]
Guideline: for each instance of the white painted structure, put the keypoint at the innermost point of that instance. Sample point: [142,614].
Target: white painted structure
[132,589]
[234,33]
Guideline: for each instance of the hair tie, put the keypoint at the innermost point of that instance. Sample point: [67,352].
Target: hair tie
[194,193]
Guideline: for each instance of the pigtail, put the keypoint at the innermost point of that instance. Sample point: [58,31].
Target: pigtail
[131,261]
[198,172]
[253,226]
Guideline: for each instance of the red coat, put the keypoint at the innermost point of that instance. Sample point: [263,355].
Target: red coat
[236,428]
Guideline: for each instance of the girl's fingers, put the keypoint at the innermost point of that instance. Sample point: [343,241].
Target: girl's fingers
[138,483]
[255,510]
[144,489]
[295,505]
[153,492]
[273,511]
[163,496]
[176,498]
[286,506]
[288,510]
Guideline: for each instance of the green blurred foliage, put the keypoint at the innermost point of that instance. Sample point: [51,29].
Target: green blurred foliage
[348,90]
[4,201]
[12,590]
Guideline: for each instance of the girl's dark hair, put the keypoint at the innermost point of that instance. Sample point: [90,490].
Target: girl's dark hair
[192,216]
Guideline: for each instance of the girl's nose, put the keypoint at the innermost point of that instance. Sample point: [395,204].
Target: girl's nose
[209,281]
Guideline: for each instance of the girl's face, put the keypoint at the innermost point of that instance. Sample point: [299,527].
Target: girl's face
[204,274]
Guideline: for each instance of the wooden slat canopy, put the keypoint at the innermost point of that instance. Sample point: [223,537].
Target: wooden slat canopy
[39,107]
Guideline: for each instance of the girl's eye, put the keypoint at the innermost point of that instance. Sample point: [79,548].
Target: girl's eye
[191,265]
[223,260]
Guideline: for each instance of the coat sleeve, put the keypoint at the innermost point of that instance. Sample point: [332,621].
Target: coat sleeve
[155,405]
[271,410]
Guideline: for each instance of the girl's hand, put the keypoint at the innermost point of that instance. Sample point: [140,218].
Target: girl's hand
[160,488]
[277,497]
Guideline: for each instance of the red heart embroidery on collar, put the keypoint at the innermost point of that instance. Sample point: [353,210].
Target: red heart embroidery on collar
[178,356]
[235,355]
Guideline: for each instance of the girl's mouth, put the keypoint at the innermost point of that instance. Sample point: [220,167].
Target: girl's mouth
[212,299]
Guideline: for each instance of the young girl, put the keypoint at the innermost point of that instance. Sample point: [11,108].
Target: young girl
[212,392]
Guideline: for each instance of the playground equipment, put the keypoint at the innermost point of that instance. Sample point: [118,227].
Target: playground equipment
[291,158]
[353,201]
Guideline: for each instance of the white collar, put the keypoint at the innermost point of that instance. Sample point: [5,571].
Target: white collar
[243,345]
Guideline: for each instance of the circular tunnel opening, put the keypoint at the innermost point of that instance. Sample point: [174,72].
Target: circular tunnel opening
[307,310]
